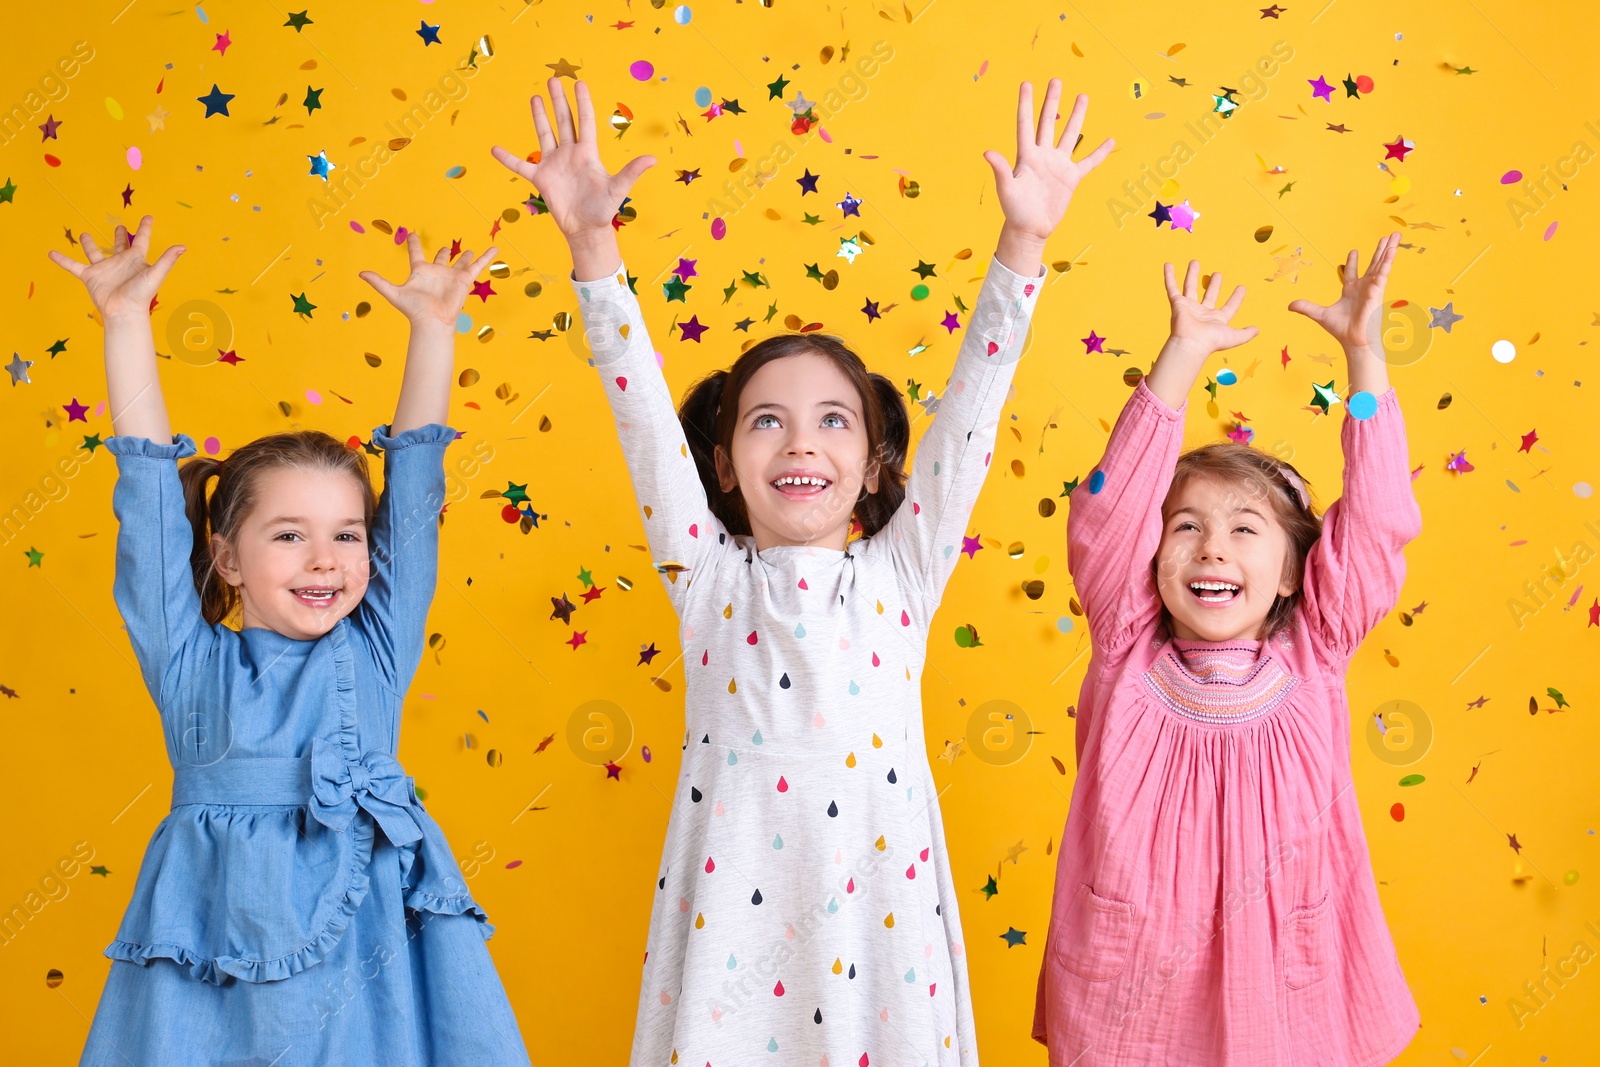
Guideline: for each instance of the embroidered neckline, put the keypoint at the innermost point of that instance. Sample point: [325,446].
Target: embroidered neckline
[1220,683]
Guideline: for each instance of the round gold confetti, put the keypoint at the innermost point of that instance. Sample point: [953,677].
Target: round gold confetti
[397,143]
[382,227]
[510,214]
[468,378]
[363,309]
[494,758]
[486,46]
[373,359]
[399,94]
[1047,507]
[1015,550]
[53,978]
[774,214]
[830,280]
[826,54]
[1444,401]
[562,321]
[544,424]
[1075,607]
[1132,377]
[499,270]
[1262,234]
[485,335]
[736,164]
[532,289]
[621,119]
[909,188]
[1033,589]
[625,584]
[1017,468]
[791,322]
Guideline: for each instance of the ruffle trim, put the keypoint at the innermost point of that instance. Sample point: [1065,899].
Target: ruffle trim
[418,900]
[216,969]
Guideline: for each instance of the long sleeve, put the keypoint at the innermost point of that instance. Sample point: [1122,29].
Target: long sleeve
[154,585]
[1114,528]
[678,522]
[404,545]
[924,537]
[1355,570]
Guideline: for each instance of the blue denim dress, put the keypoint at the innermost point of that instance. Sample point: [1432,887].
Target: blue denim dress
[297,905]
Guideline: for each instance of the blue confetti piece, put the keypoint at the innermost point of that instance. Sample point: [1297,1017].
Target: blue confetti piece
[463,323]
[1362,405]
[702,97]
[198,10]
[1227,377]
[1097,481]
[482,716]
[1064,624]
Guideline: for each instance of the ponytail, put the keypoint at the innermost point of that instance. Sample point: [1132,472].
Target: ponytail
[874,510]
[699,413]
[217,598]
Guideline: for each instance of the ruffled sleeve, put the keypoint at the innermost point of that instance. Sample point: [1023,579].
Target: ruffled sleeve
[1355,570]
[1114,528]
[393,615]
[154,585]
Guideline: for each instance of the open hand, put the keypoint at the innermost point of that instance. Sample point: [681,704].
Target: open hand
[1035,193]
[1354,319]
[1197,322]
[435,290]
[581,194]
[120,283]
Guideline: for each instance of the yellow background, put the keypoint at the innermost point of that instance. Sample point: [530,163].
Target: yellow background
[83,760]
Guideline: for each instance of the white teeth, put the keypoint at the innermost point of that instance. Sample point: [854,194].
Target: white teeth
[1222,592]
[1215,586]
[790,480]
[316,594]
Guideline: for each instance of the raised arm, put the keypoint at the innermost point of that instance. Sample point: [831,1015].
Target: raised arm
[1355,570]
[404,539]
[154,585]
[582,198]
[924,537]
[1114,527]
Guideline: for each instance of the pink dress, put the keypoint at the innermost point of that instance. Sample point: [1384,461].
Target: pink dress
[1214,901]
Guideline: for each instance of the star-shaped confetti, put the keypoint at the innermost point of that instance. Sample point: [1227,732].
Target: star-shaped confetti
[593,593]
[692,329]
[1092,343]
[158,118]
[18,369]
[101,871]
[563,608]
[1351,88]
[685,268]
[230,357]
[58,348]
[127,195]
[1527,441]
[564,69]
[1183,216]
[1272,12]
[299,21]
[77,412]
[579,637]
[1458,464]
[1445,317]
[50,126]
[851,206]
[676,289]
[849,249]
[807,182]
[35,557]
[320,166]
[1162,213]
[971,546]
[775,89]
[950,322]
[216,102]
[302,306]
[1399,149]
[647,654]
[223,41]
[990,888]
[313,100]
[1014,937]
[482,290]
[1321,88]
[1323,396]
[429,34]
[687,176]
[871,310]
[923,270]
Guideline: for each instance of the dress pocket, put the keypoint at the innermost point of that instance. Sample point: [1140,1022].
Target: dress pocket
[1098,934]
[1307,945]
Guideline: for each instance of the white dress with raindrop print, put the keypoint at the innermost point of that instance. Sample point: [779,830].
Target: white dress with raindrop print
[804,911]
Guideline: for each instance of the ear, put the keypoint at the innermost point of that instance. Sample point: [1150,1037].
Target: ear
[1288,586]
[725,475]
[874,468]
[225,561]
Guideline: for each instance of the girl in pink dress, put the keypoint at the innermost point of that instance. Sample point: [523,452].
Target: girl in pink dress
[1214,902]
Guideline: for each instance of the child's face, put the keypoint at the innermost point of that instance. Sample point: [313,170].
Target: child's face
[799,417]
[1220,532]
[300,559]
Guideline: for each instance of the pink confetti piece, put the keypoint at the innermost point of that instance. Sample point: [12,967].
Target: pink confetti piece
[356,226]
[213,446]
[719,229]
[313,396]
[642,70]
[135,158]
[1550,231]
[513,865]
[1511,177]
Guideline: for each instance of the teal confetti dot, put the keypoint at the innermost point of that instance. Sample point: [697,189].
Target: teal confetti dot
[681,14]
[1362,405]
[1227,377]
[702,97]
[1064,624]
[463,323]
[455,172]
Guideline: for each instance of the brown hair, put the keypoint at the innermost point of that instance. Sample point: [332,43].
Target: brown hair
[1260,476]
[238,477]
[710,411]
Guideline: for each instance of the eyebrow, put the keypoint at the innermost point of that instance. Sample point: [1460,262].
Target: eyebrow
[1240,511]
[820,404]
[296,520]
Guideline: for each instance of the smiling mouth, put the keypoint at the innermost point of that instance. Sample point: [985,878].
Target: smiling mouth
[317,597]
[1208,592]
[800,487]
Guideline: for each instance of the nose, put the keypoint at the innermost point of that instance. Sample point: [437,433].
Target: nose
[1211,550]
[322,557]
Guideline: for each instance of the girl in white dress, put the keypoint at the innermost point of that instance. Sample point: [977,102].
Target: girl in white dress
[804,903]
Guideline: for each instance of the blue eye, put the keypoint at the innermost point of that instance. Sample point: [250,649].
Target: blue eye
[757,423]
[843,425]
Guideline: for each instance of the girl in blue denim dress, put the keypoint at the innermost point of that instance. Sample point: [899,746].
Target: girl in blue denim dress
[297,905]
